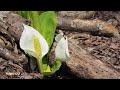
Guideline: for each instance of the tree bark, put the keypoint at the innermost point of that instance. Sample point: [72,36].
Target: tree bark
[82,64]
[95,26]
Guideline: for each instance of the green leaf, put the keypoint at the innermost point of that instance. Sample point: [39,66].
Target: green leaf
[23,13]
[46,68]
[48,23]
[56,66]
[34,17]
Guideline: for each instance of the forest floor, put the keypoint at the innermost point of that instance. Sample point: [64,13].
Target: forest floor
[107,49]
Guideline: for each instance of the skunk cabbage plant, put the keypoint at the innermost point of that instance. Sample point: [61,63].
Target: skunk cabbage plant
[36,40]
[61,51]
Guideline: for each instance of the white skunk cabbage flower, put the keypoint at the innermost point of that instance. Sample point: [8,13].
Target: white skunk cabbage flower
[33,43]
[61,50]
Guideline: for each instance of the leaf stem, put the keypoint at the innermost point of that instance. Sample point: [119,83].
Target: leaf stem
[40,66]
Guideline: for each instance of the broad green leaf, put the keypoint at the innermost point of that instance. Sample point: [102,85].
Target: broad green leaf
[23,13]
[34,17]
[48,23]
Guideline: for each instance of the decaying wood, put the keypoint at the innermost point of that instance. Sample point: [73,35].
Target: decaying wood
[76,14]
[10,30]
[94,26]
[12,25]
[6,34]
[4,43]
[31,76]
[15,24]
[82,64]
[9,55]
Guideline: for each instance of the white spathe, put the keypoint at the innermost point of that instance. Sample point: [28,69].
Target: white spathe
[58,37]
[61,51]
[27,41]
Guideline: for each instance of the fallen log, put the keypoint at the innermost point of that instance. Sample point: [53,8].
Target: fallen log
[95,26]
[82,64]
[76,14]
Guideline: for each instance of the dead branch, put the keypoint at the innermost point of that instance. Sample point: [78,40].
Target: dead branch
[76,14]
[94,26]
